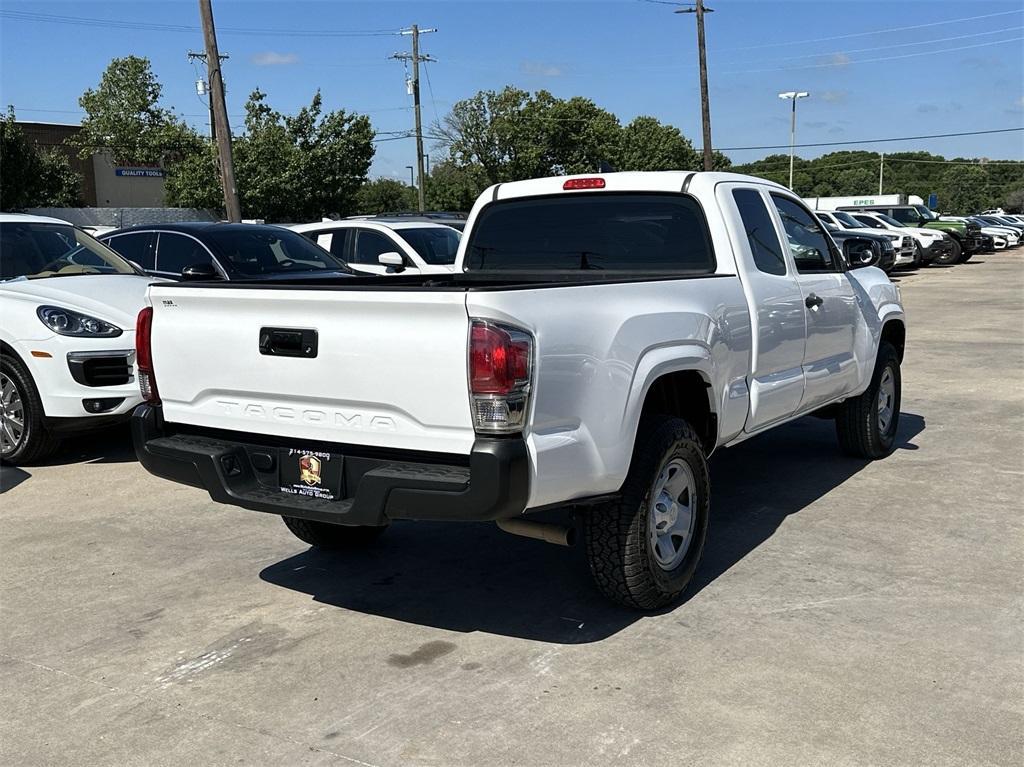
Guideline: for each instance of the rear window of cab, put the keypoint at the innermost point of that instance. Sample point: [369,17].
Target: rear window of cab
[604,231]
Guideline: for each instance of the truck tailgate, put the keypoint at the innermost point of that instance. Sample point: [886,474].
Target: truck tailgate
[390,368]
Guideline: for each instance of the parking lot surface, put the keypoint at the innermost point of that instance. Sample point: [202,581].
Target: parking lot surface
[845,613]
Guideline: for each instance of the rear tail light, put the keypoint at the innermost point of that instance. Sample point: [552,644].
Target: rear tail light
[144,356]
[500,372]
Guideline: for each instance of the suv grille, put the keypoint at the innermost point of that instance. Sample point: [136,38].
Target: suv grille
[112,368]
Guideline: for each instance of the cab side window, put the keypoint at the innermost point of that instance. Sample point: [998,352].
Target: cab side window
[332,240]
[757,223]
[807,241]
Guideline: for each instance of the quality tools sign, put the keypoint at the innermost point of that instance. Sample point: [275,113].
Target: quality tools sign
[140,172]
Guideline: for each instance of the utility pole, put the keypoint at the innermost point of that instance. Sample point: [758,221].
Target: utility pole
[220,114]
[705,104]
[416,58]
[881,173]
[793,96]
[194,56]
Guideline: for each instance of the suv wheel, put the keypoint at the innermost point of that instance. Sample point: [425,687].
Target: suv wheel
[23,434]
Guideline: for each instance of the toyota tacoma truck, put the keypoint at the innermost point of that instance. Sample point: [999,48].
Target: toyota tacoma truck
[601,336]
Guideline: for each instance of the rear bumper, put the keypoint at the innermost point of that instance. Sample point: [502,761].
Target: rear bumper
[494,484]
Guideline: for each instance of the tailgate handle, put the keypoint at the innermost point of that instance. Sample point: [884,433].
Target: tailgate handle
[288,342]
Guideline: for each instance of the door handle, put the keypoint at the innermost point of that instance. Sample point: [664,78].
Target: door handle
[812,301]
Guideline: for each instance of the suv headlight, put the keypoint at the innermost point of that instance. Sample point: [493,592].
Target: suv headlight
[65,322]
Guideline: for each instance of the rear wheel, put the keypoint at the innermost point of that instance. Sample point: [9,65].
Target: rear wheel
[867,425]
[24,437]
[643,548]
[326,536]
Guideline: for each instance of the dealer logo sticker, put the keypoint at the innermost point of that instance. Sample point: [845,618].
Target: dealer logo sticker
[309,469]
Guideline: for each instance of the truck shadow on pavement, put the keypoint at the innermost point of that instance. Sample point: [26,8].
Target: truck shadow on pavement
[473,577]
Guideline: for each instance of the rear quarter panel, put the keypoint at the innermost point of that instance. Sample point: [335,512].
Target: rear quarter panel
[599,348]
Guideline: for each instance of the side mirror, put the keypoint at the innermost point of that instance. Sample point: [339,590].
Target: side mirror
[859,252]
[200,272]
[392,260]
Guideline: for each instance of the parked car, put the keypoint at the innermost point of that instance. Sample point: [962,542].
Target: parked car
[67,340]
[966,238]
[599,338]
[372,246]
[210,250]
[929,245]
[1009,236]
[453,219]
[1003,221]
[881,254]
[902,246]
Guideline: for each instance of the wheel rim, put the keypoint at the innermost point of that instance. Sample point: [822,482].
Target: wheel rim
[886,400]
[12,416]
[672,513]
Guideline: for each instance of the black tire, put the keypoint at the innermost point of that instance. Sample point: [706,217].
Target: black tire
[858,421]
[35,442]
[952,257]
[966,256]
[322,535]
[617,535]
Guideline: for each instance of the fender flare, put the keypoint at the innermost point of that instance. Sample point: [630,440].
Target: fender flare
[659,361]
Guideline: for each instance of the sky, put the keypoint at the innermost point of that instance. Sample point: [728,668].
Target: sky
[873,69]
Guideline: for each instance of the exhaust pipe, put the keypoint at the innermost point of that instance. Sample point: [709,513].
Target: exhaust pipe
[541,531]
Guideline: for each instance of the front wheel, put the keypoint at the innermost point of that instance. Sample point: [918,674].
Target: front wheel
[952,256]
[24,437]
[643,548]
[322,535]
[867,425]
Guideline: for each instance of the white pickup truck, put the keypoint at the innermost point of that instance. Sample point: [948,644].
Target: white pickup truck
[601,336]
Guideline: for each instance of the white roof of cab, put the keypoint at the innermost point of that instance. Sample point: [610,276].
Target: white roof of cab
[24,218]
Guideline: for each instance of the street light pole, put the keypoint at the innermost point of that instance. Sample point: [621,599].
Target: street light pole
[792,96]
[412,177]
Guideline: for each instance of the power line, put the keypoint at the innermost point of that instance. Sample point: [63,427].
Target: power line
[873,32]
[889,46]
[873,141]
[154,27]
[837,64]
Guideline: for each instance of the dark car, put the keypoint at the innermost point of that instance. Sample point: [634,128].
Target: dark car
[884,253]
[205,250]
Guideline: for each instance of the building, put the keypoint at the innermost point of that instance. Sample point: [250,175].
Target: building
[104,184]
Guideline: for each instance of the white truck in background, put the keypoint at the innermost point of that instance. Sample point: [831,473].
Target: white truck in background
[600,337]
[833,203]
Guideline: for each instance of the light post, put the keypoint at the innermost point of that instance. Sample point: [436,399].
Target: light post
[412,176]
[792,96]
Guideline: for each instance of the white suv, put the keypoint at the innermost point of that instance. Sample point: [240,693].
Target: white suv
[67,341]
[400,247]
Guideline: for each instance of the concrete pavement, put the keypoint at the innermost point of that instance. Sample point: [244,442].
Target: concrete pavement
[845,613]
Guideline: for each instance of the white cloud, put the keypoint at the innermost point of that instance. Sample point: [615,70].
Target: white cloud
[274,59]
[541,69]
[837,60]
[834,97]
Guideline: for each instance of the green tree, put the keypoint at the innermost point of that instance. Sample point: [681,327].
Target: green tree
[648,144]
[287,167]
[384,195]
[454,187]
[123,117]
[965,189]
[31,177]
[1013,202]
